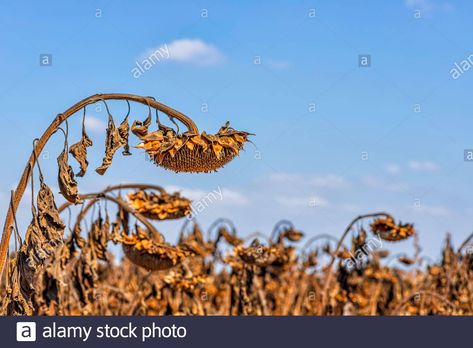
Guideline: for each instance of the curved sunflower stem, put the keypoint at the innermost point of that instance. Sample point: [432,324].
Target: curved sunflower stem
[95,197]
[53,127]
[115,188]
[329,275]
[405,301]
[464,244]
[278,229]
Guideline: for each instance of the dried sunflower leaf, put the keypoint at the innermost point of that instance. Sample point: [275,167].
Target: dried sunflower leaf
[66,181]
[113,142]
[99,236]
[48,216]
[140,128]
[124,131]
[79,152]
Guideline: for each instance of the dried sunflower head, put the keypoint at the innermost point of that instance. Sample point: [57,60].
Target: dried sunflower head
[390,231]
[382,254]
[257,254]
[406,260]
[147,253]
[229,237]
[311,259]
[163,206]
[185,282]
[195,242]
[293,235]
[185,152]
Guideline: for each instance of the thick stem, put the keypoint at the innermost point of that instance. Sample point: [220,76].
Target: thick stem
[18,194]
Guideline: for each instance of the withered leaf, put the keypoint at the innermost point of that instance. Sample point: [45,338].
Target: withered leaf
[66,181]
[79,152]
[18,300]
[140,128]
[124,131]
[36,247]
[99,236]
[49,221]
[114,141]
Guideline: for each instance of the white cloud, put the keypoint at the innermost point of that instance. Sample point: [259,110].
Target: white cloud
[428,7]
[329,181]
[233,197]
[423,166]
[294,201]
[193,51]
[323,181]
[352,208]
[278,64]
[95,125]
[229,197]
[434,210]
[422,5]
[392,168]
[284,177]
[379,184]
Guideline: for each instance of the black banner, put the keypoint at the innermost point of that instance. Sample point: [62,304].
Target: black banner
[235,331]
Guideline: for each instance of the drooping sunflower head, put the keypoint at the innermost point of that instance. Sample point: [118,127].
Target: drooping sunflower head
[147,253]
[257,254]
[186,152]
[388,230]
[162,206]
[182,281]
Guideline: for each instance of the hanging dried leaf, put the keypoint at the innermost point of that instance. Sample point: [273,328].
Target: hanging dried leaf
[140,128]
[66,181]
[116,138]
[18,300]
[36,247]
[99,236]
[49,221]
[86,274]
[124,131]
[79,151]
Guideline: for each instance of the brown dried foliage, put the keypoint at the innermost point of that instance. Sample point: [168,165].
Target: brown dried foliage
[270,279]
[50,274]
[116,138]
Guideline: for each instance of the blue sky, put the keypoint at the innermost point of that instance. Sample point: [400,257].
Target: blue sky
[405,112]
